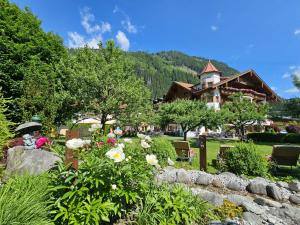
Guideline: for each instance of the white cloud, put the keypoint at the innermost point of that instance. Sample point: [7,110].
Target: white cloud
[297,31]
[94,41]
[286,75]
[116,9]
[129,26]
[123,41]
[87,18]
[75,40]
[274,88]
[214,28]
[292,90]
[292,67]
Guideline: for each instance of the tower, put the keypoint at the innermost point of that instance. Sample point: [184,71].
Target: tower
[209,76]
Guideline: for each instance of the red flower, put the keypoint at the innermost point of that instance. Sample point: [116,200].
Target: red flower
[111,141]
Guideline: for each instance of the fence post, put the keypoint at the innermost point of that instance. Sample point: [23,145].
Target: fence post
[71,156]
[202,152]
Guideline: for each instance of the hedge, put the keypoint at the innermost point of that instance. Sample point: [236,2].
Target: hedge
[275,137]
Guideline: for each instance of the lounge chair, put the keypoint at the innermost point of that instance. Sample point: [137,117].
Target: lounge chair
[183,151]
[286,155]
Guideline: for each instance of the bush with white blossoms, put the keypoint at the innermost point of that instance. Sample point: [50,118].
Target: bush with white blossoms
[152,160]
[75,143]
[116,154]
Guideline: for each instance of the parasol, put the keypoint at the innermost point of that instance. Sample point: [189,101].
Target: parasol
[28,127]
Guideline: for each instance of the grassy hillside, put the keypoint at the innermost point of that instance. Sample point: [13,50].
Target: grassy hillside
[160,69]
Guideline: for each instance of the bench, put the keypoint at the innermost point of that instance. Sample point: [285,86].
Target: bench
[286,155]
[183,151]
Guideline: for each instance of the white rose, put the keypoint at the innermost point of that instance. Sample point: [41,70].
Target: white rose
[170,162]
[113,186]
[116,154]
[75,143]
[144,144]
[141,136]
[152,160]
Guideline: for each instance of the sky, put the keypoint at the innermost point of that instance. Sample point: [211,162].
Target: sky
[256,34]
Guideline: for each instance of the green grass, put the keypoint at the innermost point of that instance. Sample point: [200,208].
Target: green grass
[213,147]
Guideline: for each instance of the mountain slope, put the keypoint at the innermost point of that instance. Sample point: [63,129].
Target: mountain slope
[160,69]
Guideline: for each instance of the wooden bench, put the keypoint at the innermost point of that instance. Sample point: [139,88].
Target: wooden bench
[286,155]
[183,151]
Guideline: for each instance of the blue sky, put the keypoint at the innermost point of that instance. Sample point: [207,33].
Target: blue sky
[256,34]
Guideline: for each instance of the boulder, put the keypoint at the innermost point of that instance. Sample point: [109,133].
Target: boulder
[282,184]
[246,203]
[295,199]
[294,186]
[217,183]
[236,185]
[252,218]
[169,175]
[184,176]
[267,202]
[257,186]
[214,198]
[274,192]
[204,179]
[34,162]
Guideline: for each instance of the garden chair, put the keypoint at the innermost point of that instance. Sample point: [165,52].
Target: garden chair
[286,155]
[183,151]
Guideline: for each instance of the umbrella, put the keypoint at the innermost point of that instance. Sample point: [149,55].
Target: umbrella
[28,127]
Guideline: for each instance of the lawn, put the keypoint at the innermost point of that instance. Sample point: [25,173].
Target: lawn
[213,149]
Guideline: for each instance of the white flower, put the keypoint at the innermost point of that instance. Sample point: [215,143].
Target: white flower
[147,138]
[116,154]
[126,159]
[111,135]
[75,143]
[144,144]
[127,140]
[121,146]
[141,136]
[152,160]
[129,157]
[170,162]
[113,186]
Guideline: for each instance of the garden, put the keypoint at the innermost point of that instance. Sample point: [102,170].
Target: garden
[124,170]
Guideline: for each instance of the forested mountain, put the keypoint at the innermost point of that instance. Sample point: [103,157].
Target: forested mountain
[160,69]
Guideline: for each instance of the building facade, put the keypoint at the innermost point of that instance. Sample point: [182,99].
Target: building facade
[215,89]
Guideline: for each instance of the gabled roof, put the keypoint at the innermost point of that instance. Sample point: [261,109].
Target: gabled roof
[184,85]
[209,68]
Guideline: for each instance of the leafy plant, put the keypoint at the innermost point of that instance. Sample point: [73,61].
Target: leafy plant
[244,159]
[23,200]
[165,205]
[102,190]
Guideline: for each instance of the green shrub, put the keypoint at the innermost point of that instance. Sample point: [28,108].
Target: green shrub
[5,132]
[23,200]
[245,159]
[274,137]
[101,190]
[165,205]
[163,149]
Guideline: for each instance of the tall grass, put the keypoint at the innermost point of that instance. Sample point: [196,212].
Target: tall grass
[23,201]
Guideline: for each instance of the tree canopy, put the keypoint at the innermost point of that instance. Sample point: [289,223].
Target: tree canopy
[242,112]
[27,57]
[102,82]
[190,114]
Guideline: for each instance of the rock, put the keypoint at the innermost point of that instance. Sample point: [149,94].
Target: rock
[34,162]
[204,179]
[295,199]
[294,186]
[214,198]
[169,175]
[257,187]
[288,215]
[274,192]
[217,183]
[282,184]
[267,202]
[184,176]
[252,218]
[236,186]
[246,203]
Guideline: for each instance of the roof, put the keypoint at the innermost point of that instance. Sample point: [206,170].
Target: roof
[184,85]
[209,68]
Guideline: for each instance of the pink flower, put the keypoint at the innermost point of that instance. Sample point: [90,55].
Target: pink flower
[111,141]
